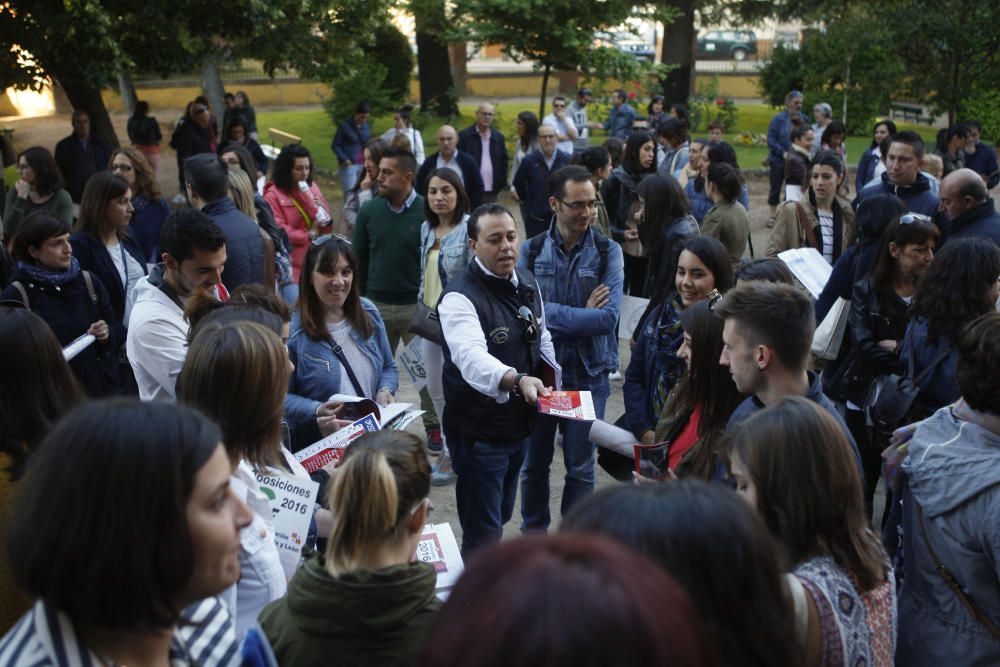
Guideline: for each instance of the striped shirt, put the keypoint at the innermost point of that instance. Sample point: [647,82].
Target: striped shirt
[45,637]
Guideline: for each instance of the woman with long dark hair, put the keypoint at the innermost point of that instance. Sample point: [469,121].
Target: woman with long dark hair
[333,315]
[870,165]
[597,161]
[666,223]
[49,281]
[144,133]
[297,204]
[621,196]
[692,529]
[727,220]
[39,187]
[654,368]
[878,317]
[715,152]
[364,188]
[238,134]
[960,285]
[793,463]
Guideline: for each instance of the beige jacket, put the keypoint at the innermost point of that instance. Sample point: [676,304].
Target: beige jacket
[788,233]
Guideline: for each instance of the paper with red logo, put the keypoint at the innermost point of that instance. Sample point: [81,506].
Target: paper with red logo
[439,547]
[577,405]
[331,448]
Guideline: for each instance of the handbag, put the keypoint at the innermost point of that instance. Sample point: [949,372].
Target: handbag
[829,336]
[426,324]
[805,227]
[893,402]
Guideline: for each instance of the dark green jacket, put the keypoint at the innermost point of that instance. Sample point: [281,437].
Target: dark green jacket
[363,618]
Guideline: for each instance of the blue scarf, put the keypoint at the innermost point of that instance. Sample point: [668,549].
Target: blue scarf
[42,275]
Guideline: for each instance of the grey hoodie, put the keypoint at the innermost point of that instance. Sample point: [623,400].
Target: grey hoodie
[953,473]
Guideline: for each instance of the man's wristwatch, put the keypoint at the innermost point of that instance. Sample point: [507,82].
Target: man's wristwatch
[516,391]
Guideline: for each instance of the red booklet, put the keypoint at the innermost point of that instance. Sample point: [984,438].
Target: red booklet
[577,405]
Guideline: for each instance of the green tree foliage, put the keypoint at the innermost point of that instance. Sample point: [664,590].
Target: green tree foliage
[555,34]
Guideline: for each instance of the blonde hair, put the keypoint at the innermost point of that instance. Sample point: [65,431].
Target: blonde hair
[237,373]
[241,191]
[383,477]
[934,165]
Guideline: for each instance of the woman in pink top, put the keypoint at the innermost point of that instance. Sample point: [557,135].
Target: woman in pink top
[298,206]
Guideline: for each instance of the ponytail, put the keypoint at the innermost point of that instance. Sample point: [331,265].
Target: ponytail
[384,475]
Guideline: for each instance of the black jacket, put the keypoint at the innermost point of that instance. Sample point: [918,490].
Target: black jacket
[93,256]
[470,143]
[244,246]
[471,179]
[69,311]
[983,221]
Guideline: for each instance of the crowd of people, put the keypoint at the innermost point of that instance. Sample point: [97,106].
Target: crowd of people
[211,341]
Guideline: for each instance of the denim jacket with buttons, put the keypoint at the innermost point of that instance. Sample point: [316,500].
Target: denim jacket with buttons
[584,338]
[453,255]
[317,372]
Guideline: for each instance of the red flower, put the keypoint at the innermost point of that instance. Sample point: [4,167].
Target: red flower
[631,96]
[719,101]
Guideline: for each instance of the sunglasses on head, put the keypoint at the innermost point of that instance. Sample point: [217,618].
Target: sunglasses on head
[320,240]
[910,218]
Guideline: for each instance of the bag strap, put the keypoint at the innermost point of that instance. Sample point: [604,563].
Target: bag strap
[89,280]
[534,249]
[930,367]
[803,219]
[952,582]
[24,293]
[342,358]
[305,216]
[603,248]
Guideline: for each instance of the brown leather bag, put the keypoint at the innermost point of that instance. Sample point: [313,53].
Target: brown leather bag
[805,227]
[269,258]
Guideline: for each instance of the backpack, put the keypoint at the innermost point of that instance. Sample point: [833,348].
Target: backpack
[86,278]
[602,242]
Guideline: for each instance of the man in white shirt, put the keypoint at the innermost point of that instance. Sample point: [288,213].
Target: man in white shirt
[566,132]
[193,249]
[495,347]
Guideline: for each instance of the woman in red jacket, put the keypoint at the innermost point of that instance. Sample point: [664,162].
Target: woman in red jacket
[298,206]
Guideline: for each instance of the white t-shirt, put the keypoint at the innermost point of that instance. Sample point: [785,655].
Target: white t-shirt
[129,272]
[362,366]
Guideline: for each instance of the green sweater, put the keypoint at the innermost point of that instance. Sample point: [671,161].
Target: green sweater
[16,209]
[388,249]
[360,619]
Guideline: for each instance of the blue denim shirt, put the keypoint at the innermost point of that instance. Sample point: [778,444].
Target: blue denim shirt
[453,256]
[584,338]
[317,370]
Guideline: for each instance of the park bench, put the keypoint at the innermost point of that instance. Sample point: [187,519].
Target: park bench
[913,113]
[279,139]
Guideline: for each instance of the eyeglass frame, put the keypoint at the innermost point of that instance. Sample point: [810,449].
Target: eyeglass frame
[592,205]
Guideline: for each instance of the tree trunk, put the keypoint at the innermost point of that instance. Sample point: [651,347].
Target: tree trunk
[545,87]
[85,96]
[211,85]
[437,86]
[127,90]
[678,49]
[847,87]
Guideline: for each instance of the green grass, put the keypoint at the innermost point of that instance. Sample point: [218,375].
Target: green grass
[316,130]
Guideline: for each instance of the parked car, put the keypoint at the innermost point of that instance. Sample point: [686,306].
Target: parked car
[626,43]
[724,44]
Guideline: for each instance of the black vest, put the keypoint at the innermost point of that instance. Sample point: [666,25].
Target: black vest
[496,302]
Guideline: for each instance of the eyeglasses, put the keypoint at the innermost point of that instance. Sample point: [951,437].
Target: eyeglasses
[320,240]
[531,330]
[121,167]
[559,106]
[910,218]
[579,205]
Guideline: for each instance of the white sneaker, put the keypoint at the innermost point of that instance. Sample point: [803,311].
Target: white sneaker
[616,376]
[179,199]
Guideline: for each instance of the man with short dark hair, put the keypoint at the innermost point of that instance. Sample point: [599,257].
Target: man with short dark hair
[193,253]
[766,338]
[672,134]
[207,185]
[495,341]
[779,142]
[968,205]
[486,146]
[532,177]
[450,157]
[622,117]
[349,144]
[903,178]
[81,155]
[577,111]
[579,273]
[193,135]
[981,157]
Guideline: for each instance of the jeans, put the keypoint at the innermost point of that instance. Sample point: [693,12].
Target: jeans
[349,176]
[433,357]
[289,293]
[397,320]
[776,177]
[578,455]
[486,487]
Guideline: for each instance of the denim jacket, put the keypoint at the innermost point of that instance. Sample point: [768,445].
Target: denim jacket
[455,253]
[584,338]
[317,370]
